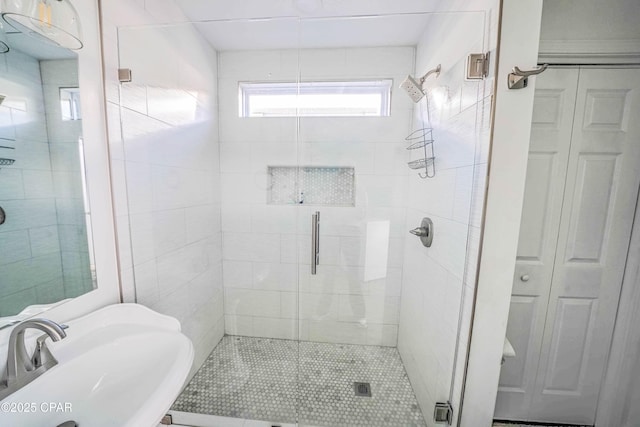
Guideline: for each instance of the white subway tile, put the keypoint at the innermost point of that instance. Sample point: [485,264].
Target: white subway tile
[382,335]
[12,187]
[381,190]
[142,237]
[238,325]
[319,307]
[383,61]
[238,274]
[139,183]
[256,247]
[247,302]
[322,63]
[206,287]
[202,222]
[14,246]
[146,283]
[169,230]
[289,305]
[369,309]
[267,327]
[462,197]
[337,332]
[236,216]
[240,188]
[274,276]
[43,240]
[391,158]
[273,219]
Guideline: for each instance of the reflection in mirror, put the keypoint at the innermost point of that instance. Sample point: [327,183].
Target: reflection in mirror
[70,103]
[45,253]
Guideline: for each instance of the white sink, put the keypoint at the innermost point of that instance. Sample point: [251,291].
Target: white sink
[120,366]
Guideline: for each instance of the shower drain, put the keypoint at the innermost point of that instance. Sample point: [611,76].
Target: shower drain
[362,389]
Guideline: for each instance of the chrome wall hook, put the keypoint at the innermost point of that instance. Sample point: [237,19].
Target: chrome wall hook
[519,79]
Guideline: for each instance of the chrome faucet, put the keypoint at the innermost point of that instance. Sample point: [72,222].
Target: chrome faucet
[22,369]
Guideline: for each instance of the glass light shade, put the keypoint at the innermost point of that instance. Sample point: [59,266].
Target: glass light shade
[4,46]
[53,21]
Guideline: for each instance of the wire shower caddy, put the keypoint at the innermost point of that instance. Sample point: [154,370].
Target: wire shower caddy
[423,139]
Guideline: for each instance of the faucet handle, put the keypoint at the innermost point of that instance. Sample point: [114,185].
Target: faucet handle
[41,354]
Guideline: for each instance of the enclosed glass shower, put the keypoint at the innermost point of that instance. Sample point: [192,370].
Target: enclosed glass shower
[273,171]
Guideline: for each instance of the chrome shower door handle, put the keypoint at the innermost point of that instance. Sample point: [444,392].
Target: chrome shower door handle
[315,241]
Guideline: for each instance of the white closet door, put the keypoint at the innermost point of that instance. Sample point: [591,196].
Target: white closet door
[548,157]
[582,185]
[597,214]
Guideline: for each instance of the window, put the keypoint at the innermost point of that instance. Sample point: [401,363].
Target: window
[316,99]
[70,103]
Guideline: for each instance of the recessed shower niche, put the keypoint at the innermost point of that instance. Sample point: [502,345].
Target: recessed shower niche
[311,185]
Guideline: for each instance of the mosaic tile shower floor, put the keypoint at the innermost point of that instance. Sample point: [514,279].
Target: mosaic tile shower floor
[257,378]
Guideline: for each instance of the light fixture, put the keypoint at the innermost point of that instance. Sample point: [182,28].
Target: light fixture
[53,21]
[4,47]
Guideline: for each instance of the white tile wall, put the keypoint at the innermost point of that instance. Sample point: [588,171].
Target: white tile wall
[266,248]
[438,282]
[165,156]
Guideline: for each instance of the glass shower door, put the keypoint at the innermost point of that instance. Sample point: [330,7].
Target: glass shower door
[380,315]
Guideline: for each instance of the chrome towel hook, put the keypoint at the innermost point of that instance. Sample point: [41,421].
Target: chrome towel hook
[519,79]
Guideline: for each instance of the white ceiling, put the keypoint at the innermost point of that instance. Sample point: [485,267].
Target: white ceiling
[203,10]
[314,33]
[286,24]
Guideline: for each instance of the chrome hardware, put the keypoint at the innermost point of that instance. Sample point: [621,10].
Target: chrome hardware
[22,369]
[315,242]
[425,232]
[124,75]
[518,79]
[477,66]
[524,277]
[419,232]
[443,413]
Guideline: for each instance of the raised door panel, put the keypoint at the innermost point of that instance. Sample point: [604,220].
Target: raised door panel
[590,218]
[570,343]
[515,376]
[600,197]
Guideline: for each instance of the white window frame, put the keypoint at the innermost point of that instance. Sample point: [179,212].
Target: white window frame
[380,87]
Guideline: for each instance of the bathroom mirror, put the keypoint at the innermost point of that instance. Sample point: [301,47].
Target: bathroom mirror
[46,254]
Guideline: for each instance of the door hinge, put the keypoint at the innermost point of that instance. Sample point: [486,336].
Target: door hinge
[124,75]
[443,413]
[167,420]
[477,66]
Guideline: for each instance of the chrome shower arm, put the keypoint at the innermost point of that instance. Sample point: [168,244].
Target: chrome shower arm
[435,70]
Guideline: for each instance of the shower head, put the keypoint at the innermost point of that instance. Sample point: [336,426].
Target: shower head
[413,87]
